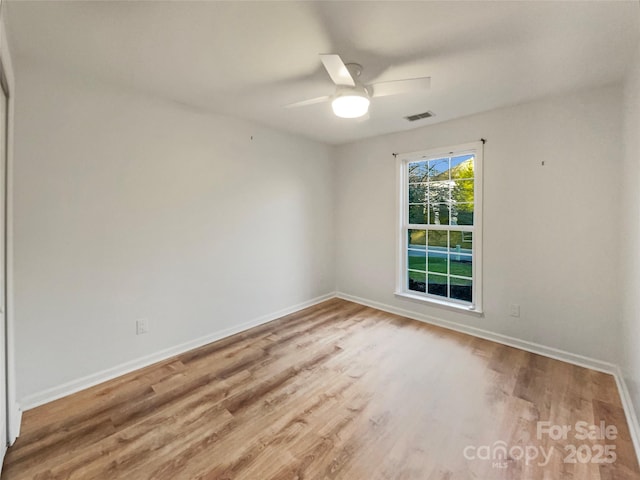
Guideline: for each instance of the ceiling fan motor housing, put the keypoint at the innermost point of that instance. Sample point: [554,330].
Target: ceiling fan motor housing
[359,91]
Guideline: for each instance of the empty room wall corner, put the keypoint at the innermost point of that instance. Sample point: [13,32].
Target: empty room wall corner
[572,133]
[130,206]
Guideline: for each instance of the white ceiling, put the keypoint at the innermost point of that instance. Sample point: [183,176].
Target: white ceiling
[247,59]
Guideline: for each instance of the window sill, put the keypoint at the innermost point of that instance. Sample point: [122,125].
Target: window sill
[473,310]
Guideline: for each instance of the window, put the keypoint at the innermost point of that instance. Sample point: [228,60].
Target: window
[440,241]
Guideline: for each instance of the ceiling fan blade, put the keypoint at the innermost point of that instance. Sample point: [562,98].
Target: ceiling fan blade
[311,101]
[337,70]
[397,87]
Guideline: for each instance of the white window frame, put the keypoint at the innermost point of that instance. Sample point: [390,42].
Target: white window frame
[402,212]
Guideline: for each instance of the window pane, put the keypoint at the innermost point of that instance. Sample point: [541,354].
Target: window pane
[417,281]
[439,214]
[462,191]
[417,259]
[418,214]
[462,289]
[418,171]
[440,202]
[418,239]
[461,242]
[418,193]
[438,240]
[440,192]
[462,214]
[437,262]
[439,169]
[462,166]
[438,285]
[459,265]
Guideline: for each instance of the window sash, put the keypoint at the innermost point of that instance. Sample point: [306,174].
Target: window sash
[402,282]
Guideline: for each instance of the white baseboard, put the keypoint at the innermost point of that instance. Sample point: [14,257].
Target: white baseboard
[532,347]
[629,411]
[74,386]
[557,354]
[15,420]
[45,396]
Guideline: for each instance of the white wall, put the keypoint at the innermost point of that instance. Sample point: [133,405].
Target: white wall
[630,251]
[128,206]
[551,232]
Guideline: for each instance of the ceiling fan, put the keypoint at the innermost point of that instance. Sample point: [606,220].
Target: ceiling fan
[351,98]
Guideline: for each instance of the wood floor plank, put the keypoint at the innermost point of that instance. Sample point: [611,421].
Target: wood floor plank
[337,391]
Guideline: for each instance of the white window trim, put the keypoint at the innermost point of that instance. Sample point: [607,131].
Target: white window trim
[402,217]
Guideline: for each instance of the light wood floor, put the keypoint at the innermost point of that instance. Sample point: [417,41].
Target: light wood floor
[336,391]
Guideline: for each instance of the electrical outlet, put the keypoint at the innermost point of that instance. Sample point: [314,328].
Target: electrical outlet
[142,326]
[514,310]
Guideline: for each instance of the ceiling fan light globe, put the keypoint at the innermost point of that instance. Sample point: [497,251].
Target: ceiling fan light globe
[350,106]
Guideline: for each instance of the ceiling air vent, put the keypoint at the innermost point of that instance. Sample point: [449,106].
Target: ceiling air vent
[419,116]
